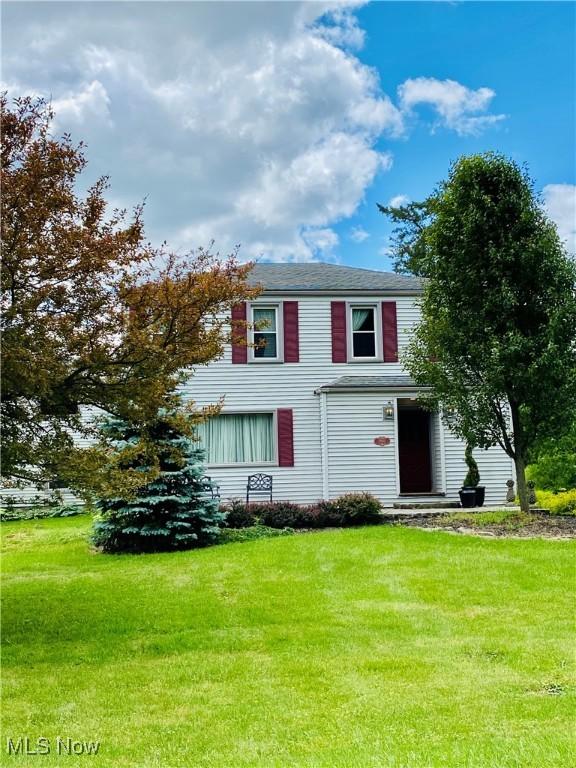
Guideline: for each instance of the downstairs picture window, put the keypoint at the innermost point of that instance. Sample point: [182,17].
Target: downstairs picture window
[238,438]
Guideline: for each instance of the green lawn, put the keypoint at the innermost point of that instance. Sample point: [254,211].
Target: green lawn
[370,647]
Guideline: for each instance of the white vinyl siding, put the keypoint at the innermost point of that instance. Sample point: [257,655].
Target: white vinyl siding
[353,419]
[263,387]
[436,453]
[355,463]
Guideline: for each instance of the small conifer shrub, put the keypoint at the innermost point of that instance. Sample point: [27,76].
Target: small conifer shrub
[172,509]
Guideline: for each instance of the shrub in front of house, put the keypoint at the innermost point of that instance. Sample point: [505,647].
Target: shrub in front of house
[281,514]
[239,515]
[348,510]
[11,513]
[358,508]
[324,514]
[172,510]
[562,503]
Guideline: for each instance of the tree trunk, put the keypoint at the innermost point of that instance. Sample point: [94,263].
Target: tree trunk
[519,458]
[521,482]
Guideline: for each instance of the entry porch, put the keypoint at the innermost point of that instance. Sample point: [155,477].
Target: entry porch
[377,437]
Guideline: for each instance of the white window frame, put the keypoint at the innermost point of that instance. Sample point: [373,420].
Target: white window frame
[277,307]
[377,308]
[251,412]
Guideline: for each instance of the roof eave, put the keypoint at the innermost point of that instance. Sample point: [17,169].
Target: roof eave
[342,292]
[372,388]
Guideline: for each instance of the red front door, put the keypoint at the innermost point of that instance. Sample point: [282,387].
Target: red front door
[414,450]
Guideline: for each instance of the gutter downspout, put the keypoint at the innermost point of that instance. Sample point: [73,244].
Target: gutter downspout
[324,446]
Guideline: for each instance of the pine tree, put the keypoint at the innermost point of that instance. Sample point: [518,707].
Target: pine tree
[171,510]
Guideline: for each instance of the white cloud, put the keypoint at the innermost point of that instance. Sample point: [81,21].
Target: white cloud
[456,105]
[358,234]
[341,28]
[322,241]
[90,102]
[321,184]
[399,200]
[560,202]
[257,126]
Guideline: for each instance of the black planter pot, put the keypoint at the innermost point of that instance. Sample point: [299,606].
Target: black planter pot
[467,497]
[480,493]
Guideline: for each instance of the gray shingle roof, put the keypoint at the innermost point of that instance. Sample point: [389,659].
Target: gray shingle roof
[371,382]
[318,276]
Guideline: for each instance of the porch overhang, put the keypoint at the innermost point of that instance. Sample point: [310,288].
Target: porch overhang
[372,384]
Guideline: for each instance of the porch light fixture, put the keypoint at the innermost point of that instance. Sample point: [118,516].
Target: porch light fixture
[450,413]
[389,411]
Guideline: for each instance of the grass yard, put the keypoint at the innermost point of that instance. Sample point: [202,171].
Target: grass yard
[375,647]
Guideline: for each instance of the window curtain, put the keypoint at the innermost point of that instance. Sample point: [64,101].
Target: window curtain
[359,317]
[266,317]
[238,438]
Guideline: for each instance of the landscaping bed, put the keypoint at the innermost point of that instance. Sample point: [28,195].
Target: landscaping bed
[499,523]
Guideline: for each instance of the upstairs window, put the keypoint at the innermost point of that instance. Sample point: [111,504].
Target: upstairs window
[364,333]
[266,333]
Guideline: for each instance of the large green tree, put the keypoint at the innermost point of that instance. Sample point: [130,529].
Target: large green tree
[554,460]
[497,339]
[92,314]
[408,243]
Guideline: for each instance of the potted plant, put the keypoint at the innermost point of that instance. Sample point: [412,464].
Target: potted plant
[471,494]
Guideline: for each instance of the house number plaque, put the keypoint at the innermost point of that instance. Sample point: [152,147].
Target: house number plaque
[382,440]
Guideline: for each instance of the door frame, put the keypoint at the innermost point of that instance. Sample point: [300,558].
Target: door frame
[433,490]
[397,444]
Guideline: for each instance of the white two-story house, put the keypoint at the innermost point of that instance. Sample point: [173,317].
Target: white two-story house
[318,397]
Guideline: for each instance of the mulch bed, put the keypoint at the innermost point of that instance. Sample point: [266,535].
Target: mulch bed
[516,525]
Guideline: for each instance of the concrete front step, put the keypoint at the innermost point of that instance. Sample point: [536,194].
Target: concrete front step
[426,505]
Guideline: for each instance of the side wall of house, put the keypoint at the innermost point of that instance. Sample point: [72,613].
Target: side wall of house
[261,386]
[353,419]
[356,463]
[38,495]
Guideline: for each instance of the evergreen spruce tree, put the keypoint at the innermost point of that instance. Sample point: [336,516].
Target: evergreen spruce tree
[171,510]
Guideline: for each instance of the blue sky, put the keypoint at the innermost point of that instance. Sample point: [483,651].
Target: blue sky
[524,51]
[279,126]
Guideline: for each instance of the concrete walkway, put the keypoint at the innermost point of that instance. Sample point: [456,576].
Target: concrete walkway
[393,513]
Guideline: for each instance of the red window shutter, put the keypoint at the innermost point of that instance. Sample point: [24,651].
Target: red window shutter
[291,336]
[339,352]
[239,334]
[285,437]
[390,331]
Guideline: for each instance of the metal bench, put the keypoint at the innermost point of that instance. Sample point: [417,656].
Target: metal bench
[210,487]
[259,485]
